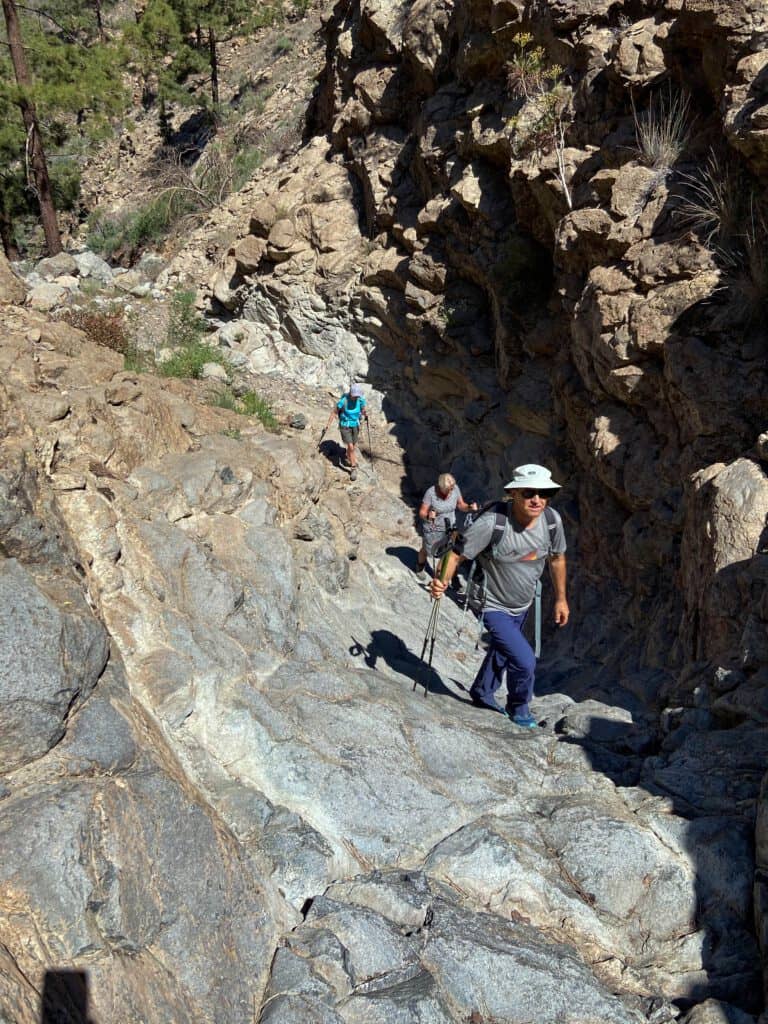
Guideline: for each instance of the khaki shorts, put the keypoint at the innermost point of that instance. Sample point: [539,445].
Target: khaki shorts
[349,435]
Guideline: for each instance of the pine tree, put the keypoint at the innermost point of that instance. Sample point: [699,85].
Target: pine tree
[34,143]
[212,21]
[67,85]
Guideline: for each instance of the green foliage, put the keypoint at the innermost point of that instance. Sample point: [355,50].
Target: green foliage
[161,53]
[254,405]
[74,92]
[185,325]
[301,7]
[185,193]
[189,360]
[267,15]
[250,98]
[528,73]
[136,360]
[249,404]
[283,45]
[245,162]
[126,234]
[539,90]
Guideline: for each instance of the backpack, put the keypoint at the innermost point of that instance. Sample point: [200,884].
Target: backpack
[475,592]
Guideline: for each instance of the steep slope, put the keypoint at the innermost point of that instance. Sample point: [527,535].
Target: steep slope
[372,854]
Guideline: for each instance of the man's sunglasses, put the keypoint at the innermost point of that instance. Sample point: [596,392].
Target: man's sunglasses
[528,493]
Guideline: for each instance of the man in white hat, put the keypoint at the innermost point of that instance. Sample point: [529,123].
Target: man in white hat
[350,409]
[513,560]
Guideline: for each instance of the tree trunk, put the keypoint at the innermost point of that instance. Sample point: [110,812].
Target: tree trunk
[35,151]
[99,20]
[214,65]
[6,233]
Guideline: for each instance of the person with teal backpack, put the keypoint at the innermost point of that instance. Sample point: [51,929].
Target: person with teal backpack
[350,409]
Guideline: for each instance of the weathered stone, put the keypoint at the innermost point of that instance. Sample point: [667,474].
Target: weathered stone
[248,254]
[54,266]
[93,266]
[52,660]
[12,288]
[46,296]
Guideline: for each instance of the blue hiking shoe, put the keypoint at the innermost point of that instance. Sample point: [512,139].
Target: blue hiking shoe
[524,721]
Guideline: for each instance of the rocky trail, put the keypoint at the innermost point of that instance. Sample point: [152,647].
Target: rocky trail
[212,645]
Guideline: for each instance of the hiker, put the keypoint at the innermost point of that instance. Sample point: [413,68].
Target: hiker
[513,562]
[349,409]
[437,513]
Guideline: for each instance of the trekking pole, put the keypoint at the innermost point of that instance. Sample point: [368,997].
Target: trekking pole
[467,592]
[325,429]
[431,635]
[370,448]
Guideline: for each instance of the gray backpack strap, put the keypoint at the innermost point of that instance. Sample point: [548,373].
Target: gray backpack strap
[551,518]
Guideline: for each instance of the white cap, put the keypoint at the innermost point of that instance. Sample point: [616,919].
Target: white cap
[532,476]
[356,391]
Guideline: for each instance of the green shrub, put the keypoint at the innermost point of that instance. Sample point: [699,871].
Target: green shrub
[244,163]
[254,405]
[189,360]
[249,404]
[185,325]
[283,45]
[541,96]
[145,226]
[267,15]
[137,360]
[225,398]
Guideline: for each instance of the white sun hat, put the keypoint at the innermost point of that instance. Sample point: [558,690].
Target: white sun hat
[532,476]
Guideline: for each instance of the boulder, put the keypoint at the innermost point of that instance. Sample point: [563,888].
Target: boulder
[12,288]
[46,296]
[54,266]
[52,660]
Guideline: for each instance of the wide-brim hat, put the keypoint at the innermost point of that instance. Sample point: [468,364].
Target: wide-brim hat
[532,476]
[356,391]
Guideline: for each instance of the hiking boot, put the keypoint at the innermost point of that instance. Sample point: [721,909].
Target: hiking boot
[353,474]
[523,721]
[489,705]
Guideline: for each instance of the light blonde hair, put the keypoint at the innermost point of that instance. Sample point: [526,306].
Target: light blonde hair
[445,482]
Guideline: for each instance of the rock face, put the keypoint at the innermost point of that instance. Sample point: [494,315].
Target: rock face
[545,285]
[223,794]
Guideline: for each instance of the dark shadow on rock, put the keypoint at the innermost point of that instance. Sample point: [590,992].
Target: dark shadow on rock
[408,556]
[332,451]
[65,998]
[396,655]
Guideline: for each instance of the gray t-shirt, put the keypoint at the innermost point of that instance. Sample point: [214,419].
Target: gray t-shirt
[445,509]
[517,562]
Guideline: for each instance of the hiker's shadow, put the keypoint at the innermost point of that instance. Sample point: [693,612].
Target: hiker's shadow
[332,451]
[396,655]
[408,556]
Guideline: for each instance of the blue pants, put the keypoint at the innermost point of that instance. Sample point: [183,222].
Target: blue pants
[508,652]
